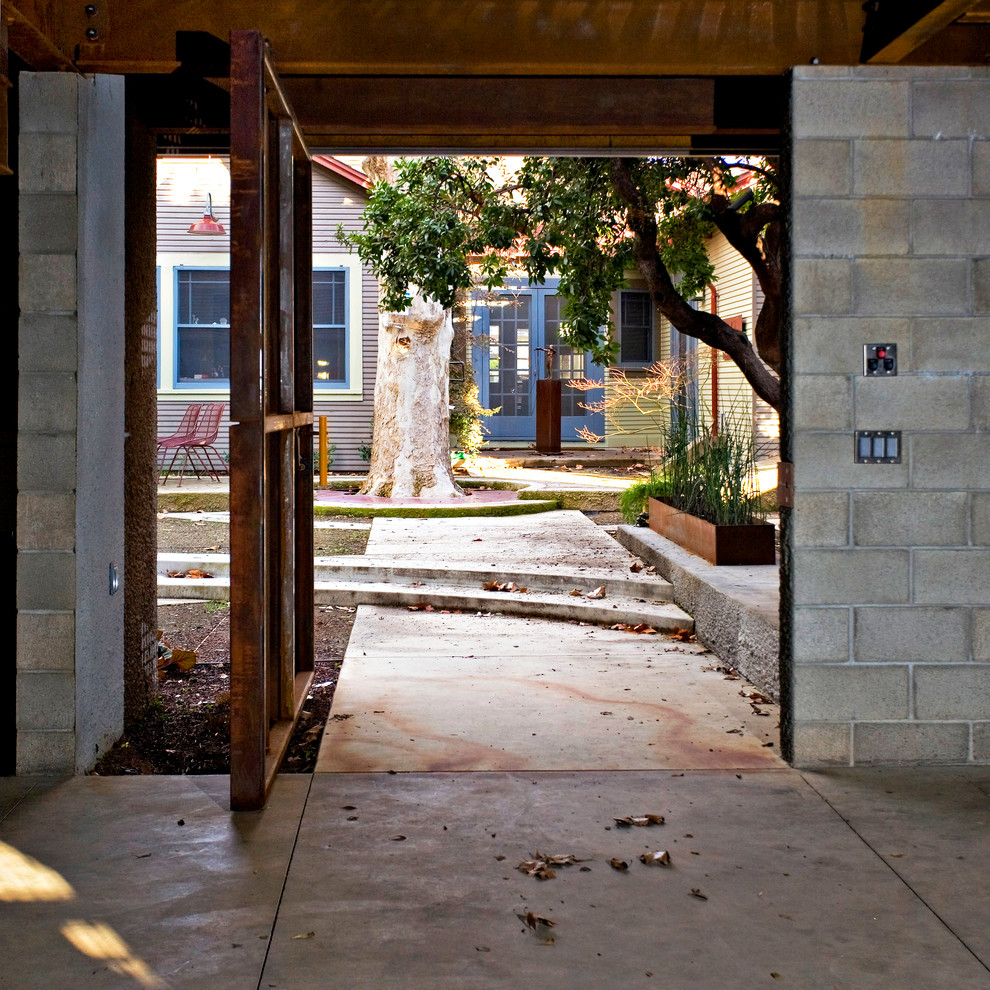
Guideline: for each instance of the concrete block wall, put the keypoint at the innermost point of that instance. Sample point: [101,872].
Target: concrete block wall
[69,704]
[891,562]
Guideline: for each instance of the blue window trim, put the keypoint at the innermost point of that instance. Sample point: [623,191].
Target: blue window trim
[206,384]
[345,383]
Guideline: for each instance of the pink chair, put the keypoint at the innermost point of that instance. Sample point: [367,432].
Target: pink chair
[185,432]
[200,448]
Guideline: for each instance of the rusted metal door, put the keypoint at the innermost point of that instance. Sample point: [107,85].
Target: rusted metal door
[271,412]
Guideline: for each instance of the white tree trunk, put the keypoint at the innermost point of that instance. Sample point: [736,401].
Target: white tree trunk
[410,450]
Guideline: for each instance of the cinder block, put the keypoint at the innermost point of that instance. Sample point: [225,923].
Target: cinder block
[822,286]
[981,285]
[821,168]
[46,402]
[46,521]
[47,283]
[894,743]
[910,519]
[46,699]
[838,108]
[46,641]
[951,108]
[827,461]
[821,519]
[951,345]
[911,633]
[47,163]
[822,744]
[47,343]
[911,286]
[48,102]
[822,402]
[911,168]
[833,344]
[48,223]
[851,577]
[950,460]
[952,577]
[981,168]
[981,742]
[46,580]
[981,633]
[821,635]
[952,691]
[848,692]
[950,227]
[845,227]
[981,402]
[46,463]
[980,519]
[940,402]
[46,752]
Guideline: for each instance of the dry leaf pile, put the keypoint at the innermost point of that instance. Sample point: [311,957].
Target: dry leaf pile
[191,573]
[641,628]
[542,867]
[503,586]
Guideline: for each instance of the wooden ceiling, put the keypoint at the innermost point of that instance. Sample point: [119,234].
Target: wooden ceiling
[511,74]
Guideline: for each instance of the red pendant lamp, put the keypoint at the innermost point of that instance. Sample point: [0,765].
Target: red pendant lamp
[208,225]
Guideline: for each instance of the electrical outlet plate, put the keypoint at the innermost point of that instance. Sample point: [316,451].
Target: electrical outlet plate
[879,360]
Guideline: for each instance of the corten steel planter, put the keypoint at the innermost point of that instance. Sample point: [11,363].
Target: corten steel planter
[745,544]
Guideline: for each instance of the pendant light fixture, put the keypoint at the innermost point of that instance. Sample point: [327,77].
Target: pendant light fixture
[208,225]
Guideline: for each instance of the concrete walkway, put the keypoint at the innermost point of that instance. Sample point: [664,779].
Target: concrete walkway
[395,866]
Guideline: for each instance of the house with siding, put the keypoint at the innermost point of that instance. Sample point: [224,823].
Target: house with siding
[194,301]
[715,388]
[511,325]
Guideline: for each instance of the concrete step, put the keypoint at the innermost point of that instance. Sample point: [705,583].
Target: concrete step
[629,601]
[374,570]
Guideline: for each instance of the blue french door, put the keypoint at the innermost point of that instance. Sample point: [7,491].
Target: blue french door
[509,328]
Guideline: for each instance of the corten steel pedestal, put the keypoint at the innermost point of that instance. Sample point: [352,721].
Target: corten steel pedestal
[548,392]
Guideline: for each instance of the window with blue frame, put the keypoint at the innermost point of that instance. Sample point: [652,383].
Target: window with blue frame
[635,328]
[202,325]
[330,327]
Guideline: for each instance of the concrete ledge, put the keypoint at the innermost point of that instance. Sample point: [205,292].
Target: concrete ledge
[735,609]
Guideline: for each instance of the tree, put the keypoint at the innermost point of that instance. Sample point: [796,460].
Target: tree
[410,448]
[446,223]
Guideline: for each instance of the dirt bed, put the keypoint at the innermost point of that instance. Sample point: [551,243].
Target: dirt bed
[186,729]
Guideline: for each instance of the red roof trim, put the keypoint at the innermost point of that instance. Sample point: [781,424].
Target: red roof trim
[343,170]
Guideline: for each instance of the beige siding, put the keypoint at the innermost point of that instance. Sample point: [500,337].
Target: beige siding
[182,195]
[738,295]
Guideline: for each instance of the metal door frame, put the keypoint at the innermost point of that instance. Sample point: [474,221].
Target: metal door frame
[271,412]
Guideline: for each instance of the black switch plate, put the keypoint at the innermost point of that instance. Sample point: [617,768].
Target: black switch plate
[878,446]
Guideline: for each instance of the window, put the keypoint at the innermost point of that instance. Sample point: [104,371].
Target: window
[635,328]
[330,327]
[195,332]
[202,324]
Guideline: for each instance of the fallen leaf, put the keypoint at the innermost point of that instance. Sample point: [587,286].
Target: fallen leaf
[576,593]
[641,821]
[398,838]
[535,921]
[635,567]
[682,635]
[421,607]
[599,592]
[695,892]
[659,858]
[618,864]
[307,935]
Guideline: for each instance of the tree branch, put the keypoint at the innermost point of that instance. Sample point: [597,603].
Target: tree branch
[706,327]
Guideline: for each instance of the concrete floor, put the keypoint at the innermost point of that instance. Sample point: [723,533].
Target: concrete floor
[376,880]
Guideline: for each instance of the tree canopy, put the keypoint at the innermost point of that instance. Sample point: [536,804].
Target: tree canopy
[445,224]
